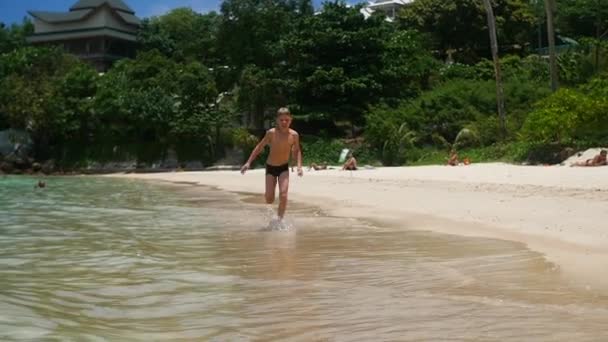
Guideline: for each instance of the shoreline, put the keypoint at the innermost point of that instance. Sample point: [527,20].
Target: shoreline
[560,212]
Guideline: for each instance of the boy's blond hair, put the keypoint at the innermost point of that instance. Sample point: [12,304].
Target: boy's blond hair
[283,111]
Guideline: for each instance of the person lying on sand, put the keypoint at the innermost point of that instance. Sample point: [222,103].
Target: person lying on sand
[598,160]
[351,163]
[318,167]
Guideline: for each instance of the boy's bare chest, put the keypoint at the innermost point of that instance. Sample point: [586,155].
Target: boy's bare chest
[281,141]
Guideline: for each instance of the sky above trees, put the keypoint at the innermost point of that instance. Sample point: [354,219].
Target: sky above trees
[15,11]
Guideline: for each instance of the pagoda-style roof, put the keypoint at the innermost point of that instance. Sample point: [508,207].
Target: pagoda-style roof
[82,34]
[85,8]
[92,4]
[97,31]
[129,18]
[60,17]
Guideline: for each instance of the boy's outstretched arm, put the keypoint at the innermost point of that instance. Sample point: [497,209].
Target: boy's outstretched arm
[256,151]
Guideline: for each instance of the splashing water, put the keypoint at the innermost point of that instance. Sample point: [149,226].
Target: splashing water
[275,223]
[278,224]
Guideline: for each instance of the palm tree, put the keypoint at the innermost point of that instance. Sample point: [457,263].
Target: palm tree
[500,98]
[550,8]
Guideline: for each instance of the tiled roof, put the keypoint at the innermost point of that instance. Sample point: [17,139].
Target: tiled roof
[58,17]
[91,4]
[129,18]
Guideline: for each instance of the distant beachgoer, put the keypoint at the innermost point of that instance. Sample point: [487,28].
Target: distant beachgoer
[283,142]
[453,159]
[351,163]
[41,184]
[598,160]
[318,167]
[466,161]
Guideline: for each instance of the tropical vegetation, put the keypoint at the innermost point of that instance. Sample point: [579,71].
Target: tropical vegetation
[397,92]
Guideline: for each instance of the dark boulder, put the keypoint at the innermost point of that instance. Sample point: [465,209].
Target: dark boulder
[15,143]
[6,166]
[48,167]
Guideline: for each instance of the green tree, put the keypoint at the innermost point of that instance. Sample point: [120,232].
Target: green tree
[437,116]
[13,37]
[135,99]
[460,26]
[570,115]
[550,8]
[407,65]
[154,99]
[340,62]
[583,18]
[72,103]
[250,30]
[197,94]
[31,88]
[151,37]
[182,34]
[500,100]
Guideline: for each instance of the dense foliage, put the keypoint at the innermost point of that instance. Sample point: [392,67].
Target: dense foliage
[205,83]
[460,26]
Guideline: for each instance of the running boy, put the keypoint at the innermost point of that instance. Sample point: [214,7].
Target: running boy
[283,142]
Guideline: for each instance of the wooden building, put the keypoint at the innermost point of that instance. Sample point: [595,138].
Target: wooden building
[98,31]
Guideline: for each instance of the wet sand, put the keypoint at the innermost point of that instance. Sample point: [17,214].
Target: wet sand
[561,212]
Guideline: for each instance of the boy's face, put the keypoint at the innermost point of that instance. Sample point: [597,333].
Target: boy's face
[284,121]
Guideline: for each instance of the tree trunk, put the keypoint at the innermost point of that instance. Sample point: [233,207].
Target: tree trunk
[500,98]
[598,36]
[550,9]
[597,51]
[260,110]
[217,151]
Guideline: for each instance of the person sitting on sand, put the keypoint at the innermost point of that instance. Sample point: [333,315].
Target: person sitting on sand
[318,167]
[351,163]
[453,160]
[598,160]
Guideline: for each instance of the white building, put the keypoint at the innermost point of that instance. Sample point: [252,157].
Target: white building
[390,8]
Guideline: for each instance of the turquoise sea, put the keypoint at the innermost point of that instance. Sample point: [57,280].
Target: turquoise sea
[99,259]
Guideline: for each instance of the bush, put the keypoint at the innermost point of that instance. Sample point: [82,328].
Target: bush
[513,152]
[569,115]
[438,116]
[533,68]
[466,138]
[241,138]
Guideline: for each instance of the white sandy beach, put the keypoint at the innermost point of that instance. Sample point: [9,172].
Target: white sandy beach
[559,211]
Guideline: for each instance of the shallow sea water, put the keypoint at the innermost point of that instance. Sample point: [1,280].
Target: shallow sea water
[96,259]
